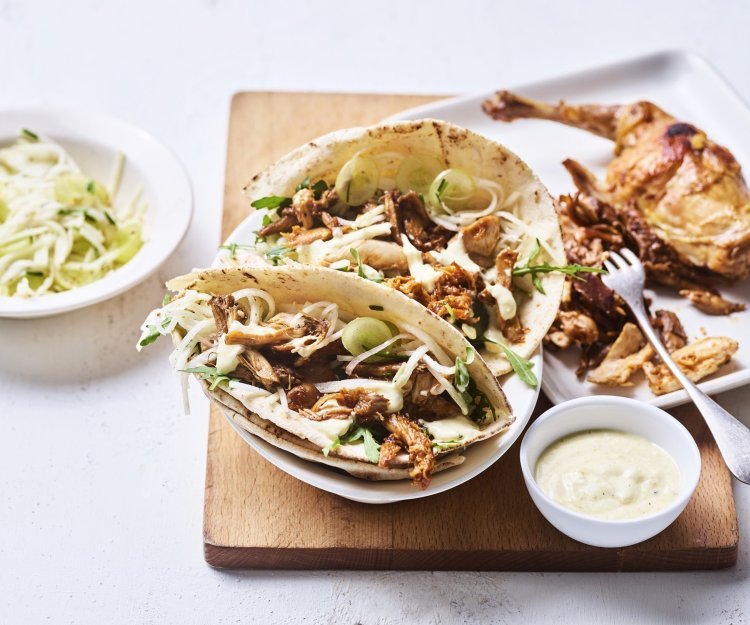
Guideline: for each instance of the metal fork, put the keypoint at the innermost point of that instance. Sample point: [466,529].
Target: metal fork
[627,277]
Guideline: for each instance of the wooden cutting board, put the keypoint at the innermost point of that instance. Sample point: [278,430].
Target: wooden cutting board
[257,516]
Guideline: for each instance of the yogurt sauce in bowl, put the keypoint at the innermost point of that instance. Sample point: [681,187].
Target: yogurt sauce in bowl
[608,474]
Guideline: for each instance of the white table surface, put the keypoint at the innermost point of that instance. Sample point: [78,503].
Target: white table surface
[101,475]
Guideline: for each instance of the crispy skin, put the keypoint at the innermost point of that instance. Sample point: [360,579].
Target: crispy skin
[417,444]
[711,303]
[627,354]
[689,189]
[697,360]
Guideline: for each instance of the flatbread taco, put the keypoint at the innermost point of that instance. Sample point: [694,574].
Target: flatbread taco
[451,219]
[332,368]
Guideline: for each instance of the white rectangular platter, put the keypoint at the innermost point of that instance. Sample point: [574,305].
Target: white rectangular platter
[687,87]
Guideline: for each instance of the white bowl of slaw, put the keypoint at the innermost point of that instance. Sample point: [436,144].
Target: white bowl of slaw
[94,141]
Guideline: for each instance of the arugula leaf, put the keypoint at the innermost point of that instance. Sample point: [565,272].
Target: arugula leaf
[272,201]
[267,221]
[317,188]
[153,333]
[355,433]
[209,373]
[523,368]
[332,446]
[275,254]
[361,268]
[30,136]
[535,270]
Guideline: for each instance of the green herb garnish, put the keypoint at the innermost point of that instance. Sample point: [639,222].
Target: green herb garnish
[275,255]
[272,201]
[352,435]
[535,270]
[166,300]
[37,274]
[361,268]
[441,189]
[523,368]
[317,188]
[233,247]
[27,134]
[90,186]
[153,333]
[209,374]
[110,219]
[461,378]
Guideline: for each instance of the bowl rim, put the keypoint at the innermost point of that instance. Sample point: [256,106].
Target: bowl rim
[686,491]
[95,128]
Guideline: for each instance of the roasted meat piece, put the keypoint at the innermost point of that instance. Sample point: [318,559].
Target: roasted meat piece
[710,302]
[482,236]
[670,329]
[627,354]
[424,233]
[689,189]
[697,360]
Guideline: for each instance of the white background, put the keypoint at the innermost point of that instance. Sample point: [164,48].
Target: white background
[101,475]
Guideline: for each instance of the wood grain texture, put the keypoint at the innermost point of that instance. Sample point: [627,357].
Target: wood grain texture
[257,516]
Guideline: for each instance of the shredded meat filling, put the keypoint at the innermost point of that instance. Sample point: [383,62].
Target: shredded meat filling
[417,443]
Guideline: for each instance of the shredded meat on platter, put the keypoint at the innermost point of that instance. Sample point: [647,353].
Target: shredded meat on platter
[697,360]
[592,316]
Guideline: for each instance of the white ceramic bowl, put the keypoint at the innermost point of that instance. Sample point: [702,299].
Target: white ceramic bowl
[93,140]
[618,413]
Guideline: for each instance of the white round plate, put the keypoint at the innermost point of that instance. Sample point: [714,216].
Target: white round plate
[93,140]
[479,456]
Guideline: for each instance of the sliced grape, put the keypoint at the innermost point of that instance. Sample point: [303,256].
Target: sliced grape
[364,333]
[358,180]
[417,171]
[451,189]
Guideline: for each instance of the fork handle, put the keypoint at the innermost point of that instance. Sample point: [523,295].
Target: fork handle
[732,437]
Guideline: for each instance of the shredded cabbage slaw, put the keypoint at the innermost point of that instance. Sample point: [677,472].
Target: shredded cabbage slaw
[59,228]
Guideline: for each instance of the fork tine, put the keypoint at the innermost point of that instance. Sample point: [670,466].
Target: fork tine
[618,260]
[609,267]
[630,256]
